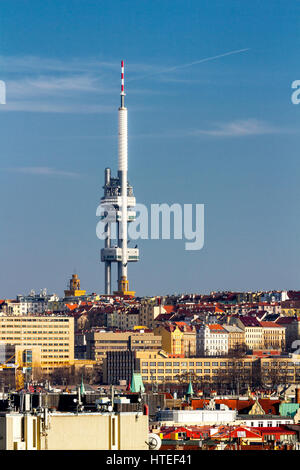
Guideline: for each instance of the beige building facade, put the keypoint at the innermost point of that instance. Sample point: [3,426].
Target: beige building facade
[52,335]
[70,431]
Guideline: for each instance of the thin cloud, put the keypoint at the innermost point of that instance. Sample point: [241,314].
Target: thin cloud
[33,64]
[48,107]
[46,85]
[43,171]
[238,129]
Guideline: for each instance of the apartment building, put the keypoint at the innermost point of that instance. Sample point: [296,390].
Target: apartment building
[52,335]
[123,319]
[236,337]
[148,312]
[273,335]
[178,338]
[98,343]
[254,336]
[292,331]
[212,340]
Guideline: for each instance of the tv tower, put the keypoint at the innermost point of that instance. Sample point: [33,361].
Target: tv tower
[118,203]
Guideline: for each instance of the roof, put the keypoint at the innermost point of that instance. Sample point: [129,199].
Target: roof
[216,328]
[242,406]
[240,431]
[285,320]
[275,430]
[169,308]
[249,321]
[270,324]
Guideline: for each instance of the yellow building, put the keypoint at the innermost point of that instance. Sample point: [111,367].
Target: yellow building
[290,312]
[100,342]
[273,335]
[172,338]
[280,370]
[158,367]
[50,337]
[236,337]
[178,338]
[254,335]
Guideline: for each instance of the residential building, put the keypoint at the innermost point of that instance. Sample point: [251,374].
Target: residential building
[149,311]
[236,337]
[292,331]
[172,338]
[123,319]
[212,340]
[178,338]
[273,335]
[254,337]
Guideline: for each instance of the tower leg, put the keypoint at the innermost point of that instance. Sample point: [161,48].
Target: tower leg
[107,277]
[107,268]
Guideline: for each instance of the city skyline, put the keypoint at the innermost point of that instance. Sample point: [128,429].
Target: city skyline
[210,121]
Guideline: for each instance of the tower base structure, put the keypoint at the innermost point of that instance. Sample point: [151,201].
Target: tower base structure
[124,288]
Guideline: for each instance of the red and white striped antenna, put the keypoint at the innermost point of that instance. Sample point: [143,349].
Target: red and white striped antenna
[122,84]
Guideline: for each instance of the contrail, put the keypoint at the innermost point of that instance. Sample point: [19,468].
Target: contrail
[176,67]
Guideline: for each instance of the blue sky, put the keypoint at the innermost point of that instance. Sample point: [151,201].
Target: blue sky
[222,132]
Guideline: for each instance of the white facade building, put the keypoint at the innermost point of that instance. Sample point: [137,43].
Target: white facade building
[198,417]
[212,340]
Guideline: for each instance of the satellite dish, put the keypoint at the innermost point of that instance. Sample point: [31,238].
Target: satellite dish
[154,441]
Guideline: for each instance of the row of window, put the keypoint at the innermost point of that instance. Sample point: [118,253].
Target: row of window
[192,364]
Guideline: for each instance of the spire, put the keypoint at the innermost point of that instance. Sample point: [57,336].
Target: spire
[137,383]
[82,388]
[190,391]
